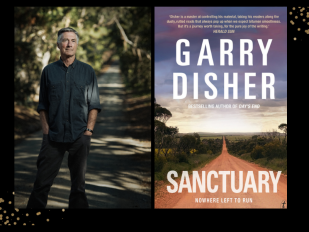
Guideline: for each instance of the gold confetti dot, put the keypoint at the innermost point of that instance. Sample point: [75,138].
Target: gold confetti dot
[290,13]
[296,17]
[12,214]
[13,193]
[14,223]
[47,219]
[24,224]
[1,200]
[298,29]
[4,211]
[301,14]
[293,8]
[10,202]
[304,20]
[294,38]
[38,213]
[62,210]
[33,224]
[17,219]
[27,214]
[7,217]
[16,209]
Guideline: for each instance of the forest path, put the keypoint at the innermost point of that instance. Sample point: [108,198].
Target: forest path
[119,167]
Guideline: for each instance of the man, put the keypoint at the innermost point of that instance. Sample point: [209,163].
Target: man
[68,107]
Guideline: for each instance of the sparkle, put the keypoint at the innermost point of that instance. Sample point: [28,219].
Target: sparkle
[294,38]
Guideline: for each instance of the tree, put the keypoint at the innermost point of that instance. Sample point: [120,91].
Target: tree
[162,114]
[103,31]
[187,143]
[284,127]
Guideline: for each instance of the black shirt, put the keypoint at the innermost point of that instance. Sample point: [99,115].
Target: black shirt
[68,94]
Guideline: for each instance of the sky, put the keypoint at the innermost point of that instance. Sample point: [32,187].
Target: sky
[271,112]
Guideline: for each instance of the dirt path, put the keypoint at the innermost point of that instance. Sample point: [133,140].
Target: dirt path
[225,162]
[118,166]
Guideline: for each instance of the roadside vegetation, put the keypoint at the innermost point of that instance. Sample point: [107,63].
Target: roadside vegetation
[268,150]
[180,152]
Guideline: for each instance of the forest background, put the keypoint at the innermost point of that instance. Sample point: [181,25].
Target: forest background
[107,34]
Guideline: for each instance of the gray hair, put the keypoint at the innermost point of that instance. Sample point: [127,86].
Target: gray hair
[67,29]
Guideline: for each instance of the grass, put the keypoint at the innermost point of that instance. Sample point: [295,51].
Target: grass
[234,138]
[195,162]
[210,137]
[275,164]
[238,137]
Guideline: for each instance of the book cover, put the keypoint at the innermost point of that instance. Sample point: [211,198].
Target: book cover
[220,107]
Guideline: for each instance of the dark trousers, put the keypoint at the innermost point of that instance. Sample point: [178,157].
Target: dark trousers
[48,164]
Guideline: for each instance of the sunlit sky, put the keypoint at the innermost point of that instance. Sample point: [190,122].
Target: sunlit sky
[271,113]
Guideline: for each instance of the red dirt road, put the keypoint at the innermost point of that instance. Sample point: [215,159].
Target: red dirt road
[229,199]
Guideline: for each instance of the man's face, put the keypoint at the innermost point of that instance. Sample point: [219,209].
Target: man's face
[68,44]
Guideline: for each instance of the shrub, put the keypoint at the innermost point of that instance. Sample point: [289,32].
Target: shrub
[274,149]
[209,152]
[257,152]
[182,157]
[241,152]
[172,158]
[159,163]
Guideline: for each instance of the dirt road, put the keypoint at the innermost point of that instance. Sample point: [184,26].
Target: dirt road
[229,199]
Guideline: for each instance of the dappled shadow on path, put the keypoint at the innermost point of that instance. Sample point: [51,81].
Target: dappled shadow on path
[117,176]
[118,166]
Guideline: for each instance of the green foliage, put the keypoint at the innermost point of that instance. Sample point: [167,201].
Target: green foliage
[209,152]
[268,150]
[257,152]
[182,157]
[241,152]
[274,149]
[105,33]
[159,162]
[192,163]
[172,158]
